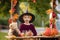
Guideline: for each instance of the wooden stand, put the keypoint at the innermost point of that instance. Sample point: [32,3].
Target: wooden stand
[35,38]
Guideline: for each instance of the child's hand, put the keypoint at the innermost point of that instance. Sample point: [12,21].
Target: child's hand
[22,34]
[29,33]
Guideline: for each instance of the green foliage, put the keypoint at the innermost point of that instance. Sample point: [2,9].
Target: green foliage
[3,22]
[59,0]
[47,23]
[40,6]
[4,7]
[38,9]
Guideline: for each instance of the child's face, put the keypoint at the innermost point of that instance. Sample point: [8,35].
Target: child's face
[26,18]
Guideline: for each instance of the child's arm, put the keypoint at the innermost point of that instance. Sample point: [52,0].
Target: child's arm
[33,30]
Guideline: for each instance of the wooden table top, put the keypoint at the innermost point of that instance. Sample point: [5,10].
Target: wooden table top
[57,36]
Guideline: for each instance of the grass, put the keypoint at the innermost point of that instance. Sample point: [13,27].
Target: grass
[2,36]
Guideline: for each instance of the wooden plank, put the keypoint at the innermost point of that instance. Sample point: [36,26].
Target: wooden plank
[34,37]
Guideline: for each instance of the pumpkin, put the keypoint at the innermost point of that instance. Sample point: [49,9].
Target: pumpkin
[50,32]
[47,32]
[54,32]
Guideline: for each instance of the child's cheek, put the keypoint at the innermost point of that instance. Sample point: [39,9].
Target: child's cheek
[29,19]
[24,19]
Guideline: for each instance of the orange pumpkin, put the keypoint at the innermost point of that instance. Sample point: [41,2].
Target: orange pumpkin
[54,32]
[47,32]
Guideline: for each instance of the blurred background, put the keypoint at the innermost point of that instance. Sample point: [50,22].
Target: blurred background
[37,7]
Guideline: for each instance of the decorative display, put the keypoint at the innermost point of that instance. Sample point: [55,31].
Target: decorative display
[52,30]
[13,9]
